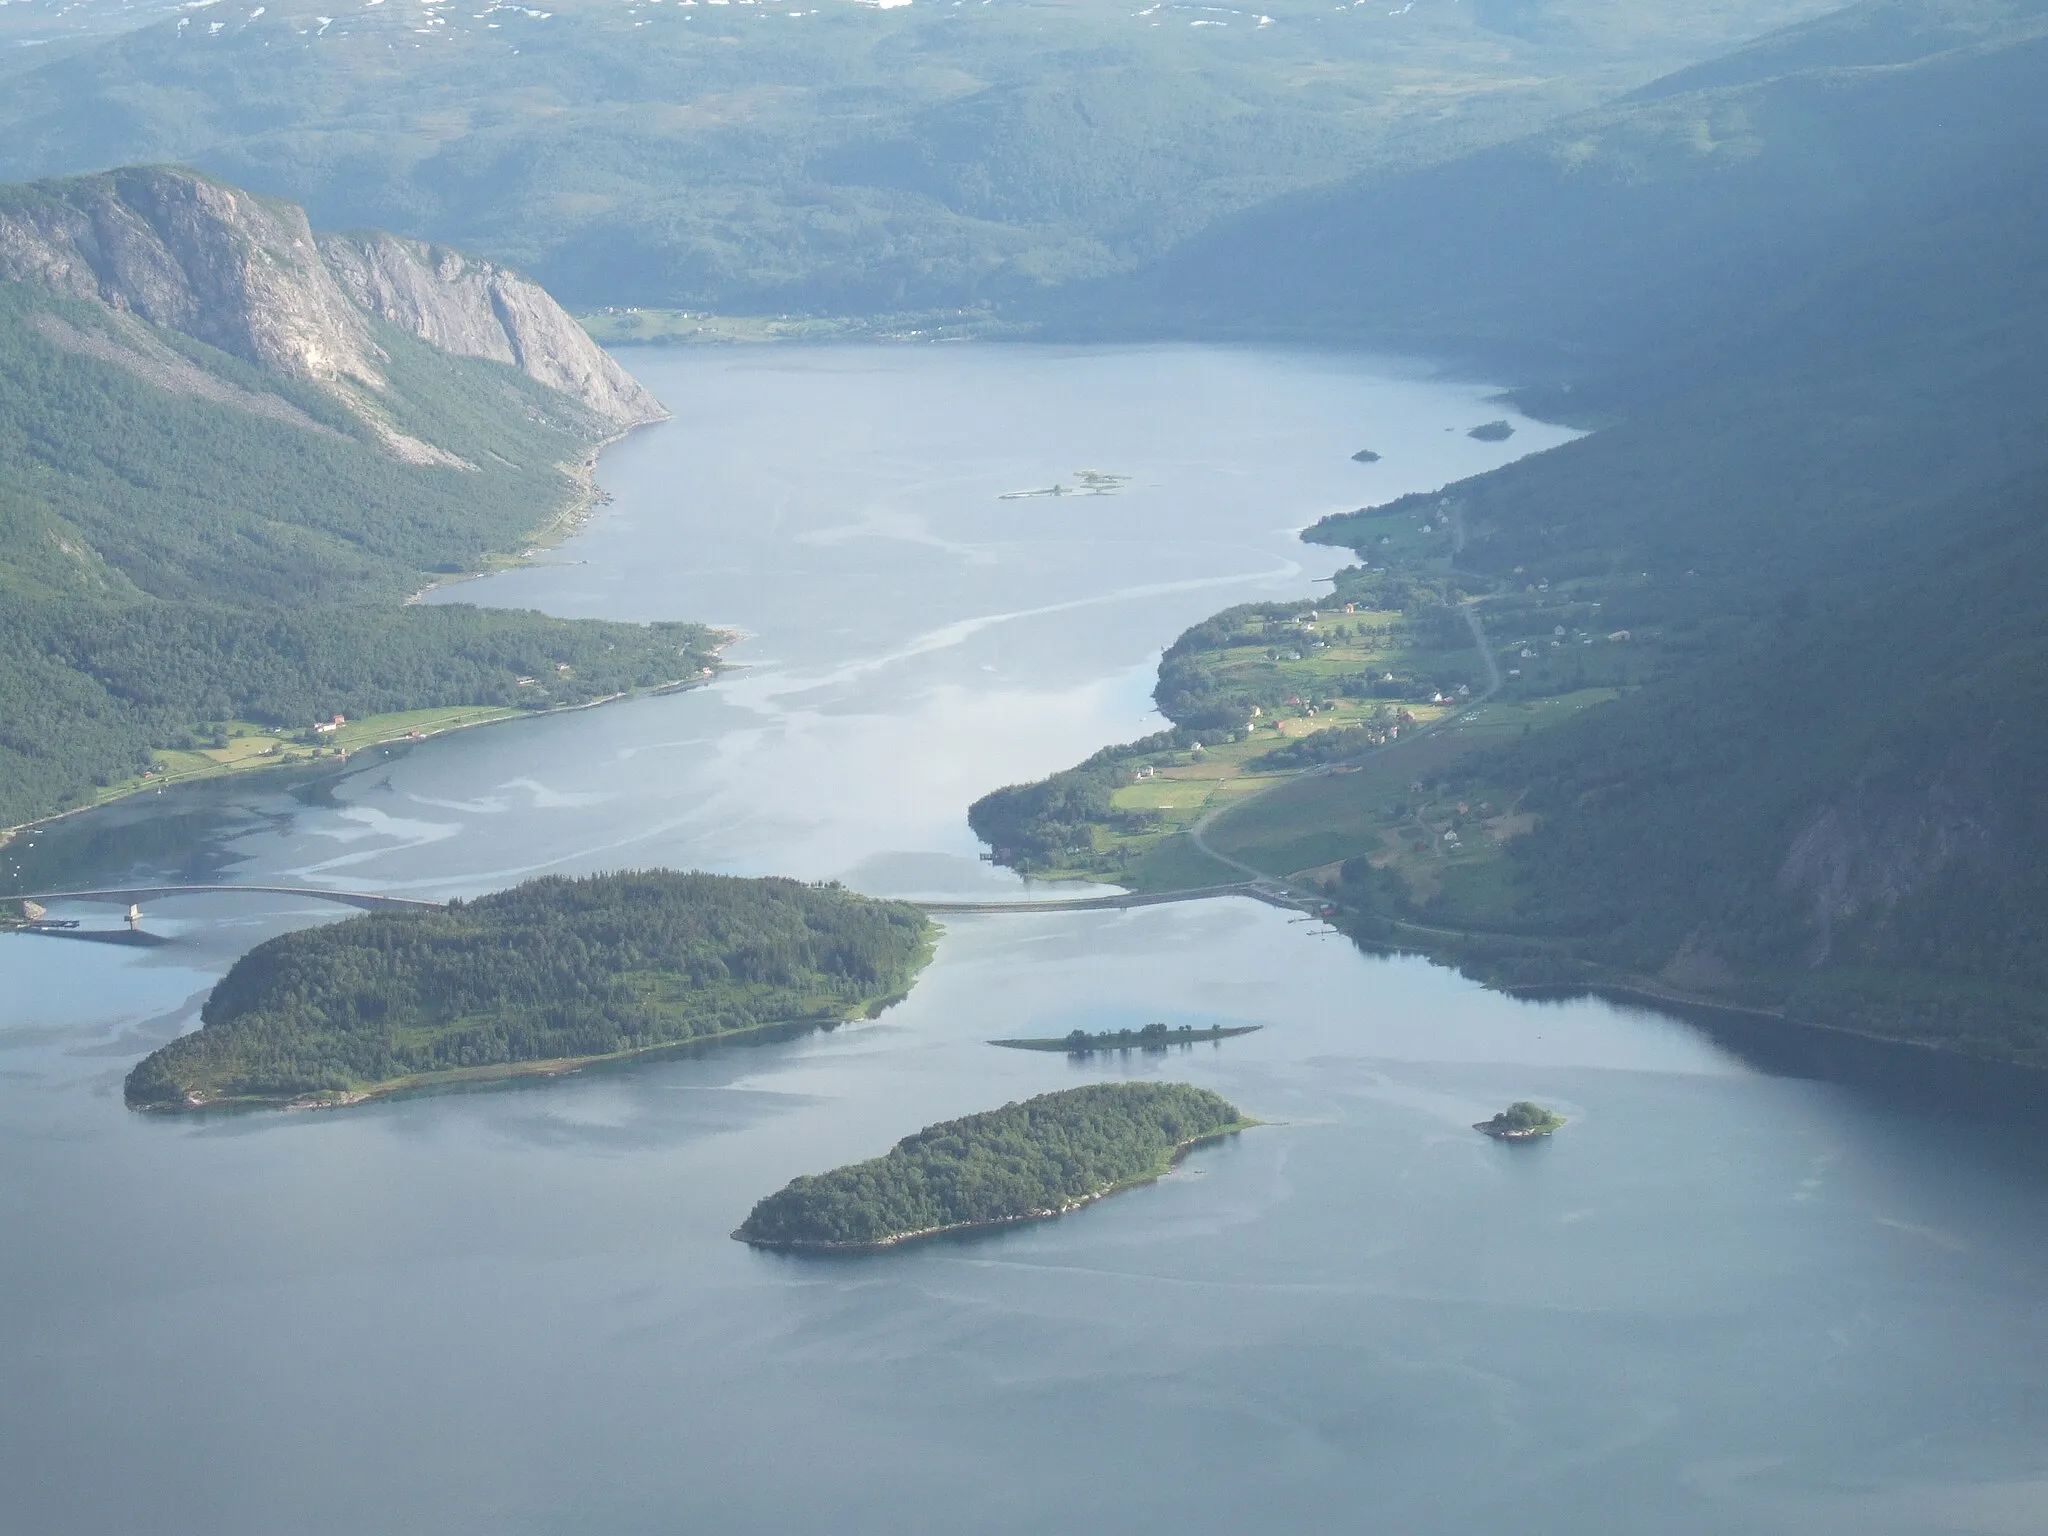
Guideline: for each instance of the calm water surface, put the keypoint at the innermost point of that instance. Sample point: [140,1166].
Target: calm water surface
[1721,1301]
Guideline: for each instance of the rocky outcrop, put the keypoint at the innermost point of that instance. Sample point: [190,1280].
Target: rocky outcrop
[1860,857]
[476,308]
[246,274]
[136,350]
[226,267]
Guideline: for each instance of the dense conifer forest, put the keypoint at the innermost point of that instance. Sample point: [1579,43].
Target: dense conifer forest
[1037,1158]
[553,969]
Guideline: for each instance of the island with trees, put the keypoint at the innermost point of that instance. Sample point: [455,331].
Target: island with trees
[542,978]
[1024,1162]
[1521,1121]
[1153,1037]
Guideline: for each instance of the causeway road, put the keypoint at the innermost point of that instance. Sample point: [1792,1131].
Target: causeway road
[373,901]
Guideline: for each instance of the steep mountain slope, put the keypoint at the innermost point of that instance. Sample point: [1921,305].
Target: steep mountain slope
[246,275]
[230,450]
[1800,292]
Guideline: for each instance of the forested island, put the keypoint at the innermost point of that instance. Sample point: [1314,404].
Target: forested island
[1023,1162]
[1521,1121]
[551,974]
[1153,1037]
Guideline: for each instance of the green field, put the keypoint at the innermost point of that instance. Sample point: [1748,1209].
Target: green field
[1305,826]
[251,747]
[1255,693]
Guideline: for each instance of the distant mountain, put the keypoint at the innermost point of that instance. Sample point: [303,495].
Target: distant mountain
[230,449]
[1743,187]
[784,156]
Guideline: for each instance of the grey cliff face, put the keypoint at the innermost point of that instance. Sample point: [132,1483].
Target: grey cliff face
[236,271]
[476,308]
[248,275]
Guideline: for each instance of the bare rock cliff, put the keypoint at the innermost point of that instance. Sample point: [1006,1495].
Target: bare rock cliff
[237,271]
[247,274]
[476,308]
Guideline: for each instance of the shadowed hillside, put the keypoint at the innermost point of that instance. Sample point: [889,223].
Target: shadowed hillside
[1738,186]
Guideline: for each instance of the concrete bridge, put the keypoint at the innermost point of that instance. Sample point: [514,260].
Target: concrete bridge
[135,895]
[1267,891]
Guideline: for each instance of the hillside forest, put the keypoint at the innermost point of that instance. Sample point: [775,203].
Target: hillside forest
[204,551]
[1773,674]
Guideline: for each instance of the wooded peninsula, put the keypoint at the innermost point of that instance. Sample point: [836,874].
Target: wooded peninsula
[549,975]
[1024,1162]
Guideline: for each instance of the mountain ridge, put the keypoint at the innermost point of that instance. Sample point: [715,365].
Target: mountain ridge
[230,449]
[1622,229]
[248,275]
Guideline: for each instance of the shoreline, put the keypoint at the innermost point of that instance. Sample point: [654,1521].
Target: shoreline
[251,767]
[898,1239]
[1099,1044]
[1439,947]
[1534,1133]
[1644,992]
[554,1066]
[585,496]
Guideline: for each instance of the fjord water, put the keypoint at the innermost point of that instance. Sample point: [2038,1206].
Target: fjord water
[1719,1300]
